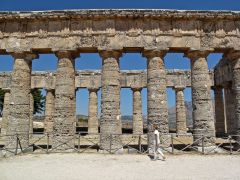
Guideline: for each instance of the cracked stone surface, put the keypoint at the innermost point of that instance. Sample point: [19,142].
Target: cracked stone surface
[65,103]
[110,122]
[19,112]
[156,94]
[203,120]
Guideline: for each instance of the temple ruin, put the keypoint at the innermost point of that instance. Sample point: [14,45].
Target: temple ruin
[153,33]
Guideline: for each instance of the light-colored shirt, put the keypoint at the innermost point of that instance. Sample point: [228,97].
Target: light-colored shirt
[156,134]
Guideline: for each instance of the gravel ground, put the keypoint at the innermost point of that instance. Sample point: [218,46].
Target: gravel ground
[99,166]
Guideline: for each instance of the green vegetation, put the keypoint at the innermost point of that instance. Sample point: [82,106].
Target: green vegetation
[39,101]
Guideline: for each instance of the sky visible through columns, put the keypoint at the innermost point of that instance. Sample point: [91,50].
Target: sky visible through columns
[129,61]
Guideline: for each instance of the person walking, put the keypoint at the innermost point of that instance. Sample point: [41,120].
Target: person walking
[156,147]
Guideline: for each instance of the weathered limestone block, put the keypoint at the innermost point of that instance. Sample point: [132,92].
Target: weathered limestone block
[203,120]
[137,111]
[19,111]
[110,122]
[229,97]
[93,111]
[65,103]
[156,93]
[49,111]
[181,119]
[5,112]
[219,111]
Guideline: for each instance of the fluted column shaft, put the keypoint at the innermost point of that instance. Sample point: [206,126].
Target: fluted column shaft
[156,94]
[19,112]
[203,119]
[49,111]
[5,112]
[65,103]
[110,102]
[137,111]
[230,110]
[219,111]
[181,119]
[93,111]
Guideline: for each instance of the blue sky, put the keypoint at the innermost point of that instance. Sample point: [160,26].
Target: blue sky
[128,61]
[28,5]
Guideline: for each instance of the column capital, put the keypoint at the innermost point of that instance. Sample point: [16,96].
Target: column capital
[232,55]
[136,89]
[179,88]
[150,53]
[67,54]
[93,89]
[195,54]
[110,54]
[24,55]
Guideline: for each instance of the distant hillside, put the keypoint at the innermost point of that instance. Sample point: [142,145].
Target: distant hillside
[171,116]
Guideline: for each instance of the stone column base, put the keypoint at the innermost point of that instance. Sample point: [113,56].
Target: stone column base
[210,149]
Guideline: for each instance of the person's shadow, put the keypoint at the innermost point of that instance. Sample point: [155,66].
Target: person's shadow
[151,157]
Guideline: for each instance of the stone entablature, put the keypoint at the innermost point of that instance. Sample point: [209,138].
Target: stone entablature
[92,79]
[131,30]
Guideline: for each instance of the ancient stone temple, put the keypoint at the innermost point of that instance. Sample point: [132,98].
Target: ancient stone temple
[153,33]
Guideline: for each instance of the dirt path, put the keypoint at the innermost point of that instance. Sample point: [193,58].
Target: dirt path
[126,167]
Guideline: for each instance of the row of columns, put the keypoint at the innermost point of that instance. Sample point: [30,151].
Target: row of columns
[64,106]
[93,111]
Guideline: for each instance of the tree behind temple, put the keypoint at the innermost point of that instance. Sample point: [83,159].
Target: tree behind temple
[39,101]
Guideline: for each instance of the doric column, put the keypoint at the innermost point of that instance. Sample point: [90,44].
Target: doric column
[219,111]
[181,119]
[31,114]
[203,119]
[93,111]
[5,112]
[229,109]
[156,94]
[110,122]
[65,103]
[49,111]
[234,57]
[19,111]
[137,111]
